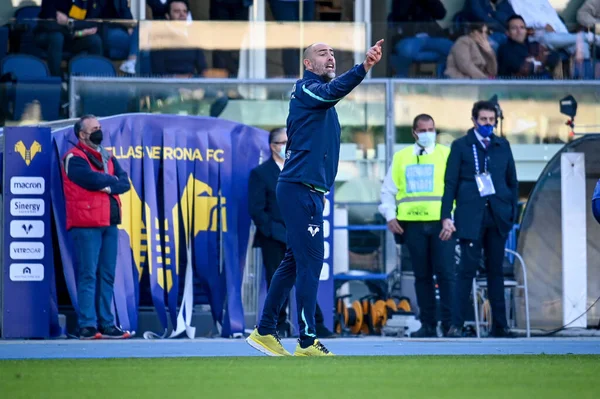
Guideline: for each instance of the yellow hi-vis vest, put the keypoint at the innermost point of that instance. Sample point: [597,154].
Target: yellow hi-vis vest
[420,183]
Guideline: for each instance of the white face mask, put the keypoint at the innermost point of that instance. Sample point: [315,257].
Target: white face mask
[426,139]
[282,152]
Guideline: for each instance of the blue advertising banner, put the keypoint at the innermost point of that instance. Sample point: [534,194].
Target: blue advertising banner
[184,222]
[326,295]
[184,231]
[28,274]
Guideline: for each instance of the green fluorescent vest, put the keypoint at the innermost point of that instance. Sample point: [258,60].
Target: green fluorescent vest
[420,183]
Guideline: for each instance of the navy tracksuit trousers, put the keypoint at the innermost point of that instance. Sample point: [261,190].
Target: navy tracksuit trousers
[302,211]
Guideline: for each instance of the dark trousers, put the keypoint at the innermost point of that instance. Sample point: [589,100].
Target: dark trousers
[56,42]
[290,11]
[96,254]
[492,243]
[429,255]
[222,59]
[303,259]
[273,252]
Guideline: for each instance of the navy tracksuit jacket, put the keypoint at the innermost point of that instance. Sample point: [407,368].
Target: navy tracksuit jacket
[313,131]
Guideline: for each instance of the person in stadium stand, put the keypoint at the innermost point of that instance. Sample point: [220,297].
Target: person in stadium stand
[57,33]
[472,56]
[521,57]
[180,63]
[311,165]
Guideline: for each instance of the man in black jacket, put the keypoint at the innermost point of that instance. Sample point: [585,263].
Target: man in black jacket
[270,228]
[481,177]
[519,57]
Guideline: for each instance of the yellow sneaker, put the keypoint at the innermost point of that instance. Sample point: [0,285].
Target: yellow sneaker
[269,344]
[316,349]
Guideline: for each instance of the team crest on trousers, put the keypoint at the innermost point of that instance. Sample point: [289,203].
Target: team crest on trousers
[313,229]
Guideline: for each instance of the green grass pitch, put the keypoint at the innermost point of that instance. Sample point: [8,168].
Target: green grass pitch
[411,377]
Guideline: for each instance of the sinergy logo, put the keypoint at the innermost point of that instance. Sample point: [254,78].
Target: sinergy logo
[23,185]
[27,207]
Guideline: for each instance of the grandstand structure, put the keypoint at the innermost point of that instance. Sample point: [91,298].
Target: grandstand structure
[249,67]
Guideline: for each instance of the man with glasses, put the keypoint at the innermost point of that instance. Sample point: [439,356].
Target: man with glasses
[92,183]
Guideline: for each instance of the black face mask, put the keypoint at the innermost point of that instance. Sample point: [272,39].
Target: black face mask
[96,137]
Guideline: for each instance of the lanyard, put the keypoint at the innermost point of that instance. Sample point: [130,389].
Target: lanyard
[477,161]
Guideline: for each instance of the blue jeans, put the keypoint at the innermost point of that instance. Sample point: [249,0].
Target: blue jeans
[408,49]
[55,43]
[96,253]
[118,44]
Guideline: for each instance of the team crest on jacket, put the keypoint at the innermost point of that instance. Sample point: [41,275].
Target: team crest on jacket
[313,229]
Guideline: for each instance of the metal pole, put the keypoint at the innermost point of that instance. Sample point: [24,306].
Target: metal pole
[391,254]
[72,108]
[301,13]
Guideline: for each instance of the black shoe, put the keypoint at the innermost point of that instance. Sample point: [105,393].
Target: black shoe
[454,332]
[502,333]
[89,333]
[323,332]
[114,332]
[425,332]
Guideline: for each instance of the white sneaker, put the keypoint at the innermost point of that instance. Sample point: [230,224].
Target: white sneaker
[128,67]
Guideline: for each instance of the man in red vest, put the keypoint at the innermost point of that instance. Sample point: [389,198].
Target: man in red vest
[92,182]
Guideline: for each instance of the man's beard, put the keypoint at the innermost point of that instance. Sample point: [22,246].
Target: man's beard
[328,76]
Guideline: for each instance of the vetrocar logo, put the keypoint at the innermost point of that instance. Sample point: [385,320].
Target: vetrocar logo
[26,272]
[26,250]
[27,207]
[27,185]
[27,228]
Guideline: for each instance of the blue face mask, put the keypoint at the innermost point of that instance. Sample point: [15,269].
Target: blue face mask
[485,130]
[282,152]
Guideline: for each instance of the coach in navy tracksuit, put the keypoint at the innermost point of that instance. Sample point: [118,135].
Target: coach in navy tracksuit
[310,168]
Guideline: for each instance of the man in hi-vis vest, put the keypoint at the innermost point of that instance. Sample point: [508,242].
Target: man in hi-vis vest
[411,200]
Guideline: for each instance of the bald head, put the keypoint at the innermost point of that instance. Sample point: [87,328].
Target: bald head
[319,59]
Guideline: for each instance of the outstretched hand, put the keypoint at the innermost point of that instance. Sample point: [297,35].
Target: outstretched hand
[373,55]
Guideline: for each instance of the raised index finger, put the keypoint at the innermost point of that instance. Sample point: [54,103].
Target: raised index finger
[379,43]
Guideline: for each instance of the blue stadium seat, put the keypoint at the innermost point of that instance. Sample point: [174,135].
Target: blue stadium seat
[98,100]
[584,71]
[24,66]
[91,65]
[30,80]
[116,42]
[26,20]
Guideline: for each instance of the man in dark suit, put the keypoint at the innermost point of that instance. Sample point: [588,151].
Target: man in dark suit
[481,177]
[270,229]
